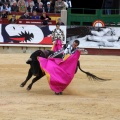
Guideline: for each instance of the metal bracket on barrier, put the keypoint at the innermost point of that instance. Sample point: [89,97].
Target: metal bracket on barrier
[4,47]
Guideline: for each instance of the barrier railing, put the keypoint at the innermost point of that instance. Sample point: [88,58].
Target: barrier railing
[82,16]
[35,22]
[53,16]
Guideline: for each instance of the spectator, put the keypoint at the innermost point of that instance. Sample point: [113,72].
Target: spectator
[31,7]
[13,19]
[1,7]
[68,3]
[7,8]
[52,3]
[44,2]
[45,18]
[49,8]
[108,6]
[14,7]
[40,8]
[20,1]
[35,16]
[59,5]
[25,16]
[4,14]
[37,3]
[22,7]
[27,2]
[10,2]
[60,22]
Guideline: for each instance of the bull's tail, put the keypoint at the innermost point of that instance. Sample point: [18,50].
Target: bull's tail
[90,75]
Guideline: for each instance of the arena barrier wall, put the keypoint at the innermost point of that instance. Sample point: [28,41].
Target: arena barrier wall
[27,34]
[16,38]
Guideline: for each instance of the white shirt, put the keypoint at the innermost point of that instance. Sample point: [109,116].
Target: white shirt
[68,50]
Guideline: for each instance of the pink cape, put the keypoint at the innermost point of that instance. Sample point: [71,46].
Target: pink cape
[59,72]
[57,46]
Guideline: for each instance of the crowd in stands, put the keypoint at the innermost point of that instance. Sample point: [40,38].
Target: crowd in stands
[33,7]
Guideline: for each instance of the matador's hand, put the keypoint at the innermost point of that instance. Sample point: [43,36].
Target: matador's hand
[54,42]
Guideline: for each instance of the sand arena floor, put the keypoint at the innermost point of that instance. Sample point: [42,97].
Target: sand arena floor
[82,100]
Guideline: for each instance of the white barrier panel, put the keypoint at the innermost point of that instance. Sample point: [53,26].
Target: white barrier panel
[96,37]
[28,34]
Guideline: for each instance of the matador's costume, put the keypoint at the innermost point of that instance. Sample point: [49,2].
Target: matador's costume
[57,36]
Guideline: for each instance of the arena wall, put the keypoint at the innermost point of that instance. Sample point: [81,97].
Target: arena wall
[6,49]
[30,49]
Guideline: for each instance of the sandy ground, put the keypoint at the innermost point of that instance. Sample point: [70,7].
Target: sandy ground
[82,100]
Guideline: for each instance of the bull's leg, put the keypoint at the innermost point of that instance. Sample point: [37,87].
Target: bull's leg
[27,78]
[34,80]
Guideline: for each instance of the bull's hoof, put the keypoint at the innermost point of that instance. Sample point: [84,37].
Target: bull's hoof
[28,88]
[22,85]
[59,93]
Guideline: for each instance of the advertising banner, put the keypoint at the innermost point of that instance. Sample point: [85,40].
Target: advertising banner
[95,37]
[27,34]
[89,37]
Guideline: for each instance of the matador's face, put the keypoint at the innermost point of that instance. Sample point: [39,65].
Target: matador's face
[57,26]
[74,45]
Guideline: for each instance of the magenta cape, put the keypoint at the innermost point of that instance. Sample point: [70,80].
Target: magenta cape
[57,46]
[59,72]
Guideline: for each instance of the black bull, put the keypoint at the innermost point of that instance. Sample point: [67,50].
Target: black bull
[35,67]
[38,73]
